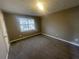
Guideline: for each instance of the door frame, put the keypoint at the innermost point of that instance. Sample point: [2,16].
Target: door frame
[4,33]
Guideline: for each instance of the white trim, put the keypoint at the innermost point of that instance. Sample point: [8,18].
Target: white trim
[4,33]
[7,55]
[73,43]
[8,50]
[24,37]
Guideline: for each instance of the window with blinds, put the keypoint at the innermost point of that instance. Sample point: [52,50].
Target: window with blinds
[26,24]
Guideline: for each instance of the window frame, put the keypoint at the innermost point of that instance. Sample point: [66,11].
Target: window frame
[27,18]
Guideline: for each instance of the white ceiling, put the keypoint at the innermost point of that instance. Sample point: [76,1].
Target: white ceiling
[28,7]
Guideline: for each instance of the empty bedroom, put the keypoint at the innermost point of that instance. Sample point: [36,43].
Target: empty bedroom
[39,29]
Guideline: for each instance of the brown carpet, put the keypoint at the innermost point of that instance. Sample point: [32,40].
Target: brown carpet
[42,47]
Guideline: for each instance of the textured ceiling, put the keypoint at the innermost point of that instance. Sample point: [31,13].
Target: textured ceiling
[28,7]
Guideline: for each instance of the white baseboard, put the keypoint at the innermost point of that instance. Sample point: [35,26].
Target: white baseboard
[73,43]
[24,37]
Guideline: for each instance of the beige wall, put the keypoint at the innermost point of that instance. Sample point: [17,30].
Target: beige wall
[63,24]
[13,27]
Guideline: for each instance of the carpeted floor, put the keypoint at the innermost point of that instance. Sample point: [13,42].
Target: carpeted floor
[42,47]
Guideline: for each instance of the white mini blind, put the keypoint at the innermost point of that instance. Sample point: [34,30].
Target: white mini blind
[26,24]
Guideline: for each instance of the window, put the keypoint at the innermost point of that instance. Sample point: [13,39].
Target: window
[26,24]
